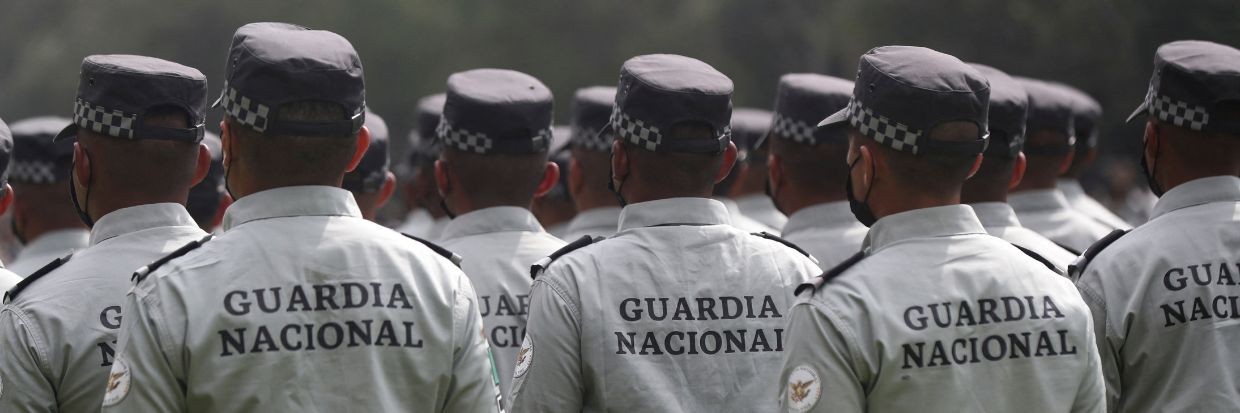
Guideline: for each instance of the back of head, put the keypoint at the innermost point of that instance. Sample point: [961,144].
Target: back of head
[591,149]
[813,160]
[749,130]
[1050,133]
[38,173]
[371,173]
[1086,117]
[204,198]
[1007,118]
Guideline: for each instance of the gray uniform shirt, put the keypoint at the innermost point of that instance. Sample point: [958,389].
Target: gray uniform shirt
[761,208]
[302,305]
[828,231]
[742,222]
[1000,220]
[498,246]
[1085,204]
[1046,211]
[59,334]
[7,280]
[47,248]
[1165,300]
[596,222]
[679,312]
[940,317]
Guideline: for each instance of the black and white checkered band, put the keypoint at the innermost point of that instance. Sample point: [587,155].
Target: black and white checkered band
[894,134]
[796,130]
[480,143]
[588,138]
[244,110]
[1179,113]
[114,123]
[33,172]
[635,131]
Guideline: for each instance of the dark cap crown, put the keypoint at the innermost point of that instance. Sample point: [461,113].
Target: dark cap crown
[804,99]
[591,113]
[1191,78]
[1008,112]
[37,157]
[496,111]
[657,92]
[1086,114]
[116,92]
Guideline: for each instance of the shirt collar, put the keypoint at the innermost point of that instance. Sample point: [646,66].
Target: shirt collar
[1038,200]
[820,215]
[291,201]
[595,218]
[692,211]
[922,223]
[137,218]
[1198,191]
[58,240]
[995,214]
[493,219]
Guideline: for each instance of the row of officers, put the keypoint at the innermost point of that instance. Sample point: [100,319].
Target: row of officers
[933,256]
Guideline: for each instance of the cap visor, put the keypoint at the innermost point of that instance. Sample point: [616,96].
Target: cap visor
[1145,106]
[219,99]
[69,132]
[835,118]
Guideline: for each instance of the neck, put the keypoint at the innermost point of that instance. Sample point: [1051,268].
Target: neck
[911,201]
[587,200]
[640,194]
[99,206]
[798,199]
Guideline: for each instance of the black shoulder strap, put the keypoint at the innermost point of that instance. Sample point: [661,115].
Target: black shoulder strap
[1070,249]
[538,267]
[21,285]
[451,256]
[1039,258]
[146,270]
[787,243]
[1078,266]
[816,283]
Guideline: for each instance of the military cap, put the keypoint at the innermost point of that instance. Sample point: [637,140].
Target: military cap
[656,92]
[1051,108]
[1086,114]
[496,111]
[373,168]
[204,198]
[6,151]
[37,157]
[1009,107]
[424,147]
[802,100]
[902,92]
[115,93]
[1191,78]
[749,128]
[591,114]
[273,64]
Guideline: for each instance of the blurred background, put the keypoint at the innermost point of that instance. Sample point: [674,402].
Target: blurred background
[409,47]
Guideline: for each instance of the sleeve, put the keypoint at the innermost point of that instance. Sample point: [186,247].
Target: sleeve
[474,386]
[1108,343]
[144,377]
[24,385]
[820,373]
[547,377]
[1091,394]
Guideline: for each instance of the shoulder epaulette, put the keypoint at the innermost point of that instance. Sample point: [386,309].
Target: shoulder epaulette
[1069,249]
[1039,258]
[826,277]
[787,243]
[1078,266]
[542,264]
[451,256]
[21,285]
[146,270]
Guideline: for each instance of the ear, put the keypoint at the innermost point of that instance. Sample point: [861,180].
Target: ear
[441,178]
[1152,140]
[1067,161]
[363,142]
[729,159]
[225,201]
[551,175]
[6,201]
[619,161]
[775,171]
[225,141]
[575,181]
[1018,171]
[866,164]
[385,191]
[81,164]
[977,164]
[203,165]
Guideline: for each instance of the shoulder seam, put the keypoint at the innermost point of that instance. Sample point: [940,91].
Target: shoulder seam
[11,294]
[146,270]
[541,265]
[40,342]
[438,249]
[789,244]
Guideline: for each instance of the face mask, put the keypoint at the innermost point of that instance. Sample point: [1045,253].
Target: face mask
[80,208]
[1148,170]
[444,205]
[615,190]
[860,209]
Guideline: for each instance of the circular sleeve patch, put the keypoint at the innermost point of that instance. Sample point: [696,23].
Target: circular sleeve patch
[804,389]
[525,357]
[118,383]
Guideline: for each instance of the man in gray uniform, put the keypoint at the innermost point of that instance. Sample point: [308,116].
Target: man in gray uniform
[933,315]
[43,218]
[1086,114]
[808,167]
[1002,168]
[138,122]
[7,278]
[372,181]
[748,185]
[301,304]
[426,217]
[208,200]
[1165,296]
[1049,141]
[679,311]
[598,211]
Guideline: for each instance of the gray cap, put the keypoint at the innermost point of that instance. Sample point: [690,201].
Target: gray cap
[1050,109]
[749,128]
[1009,108]
[902,92]
[37,157]
[272,64]
[1191,77]
[1086,114]
[591,114]
[496,111]
[802,100]
[116,91]
[372,170]
[659,91]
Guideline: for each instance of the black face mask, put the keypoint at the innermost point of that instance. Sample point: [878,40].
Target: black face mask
[615,190]
[1148,170]
[860,209]
[81,208]
[446,211]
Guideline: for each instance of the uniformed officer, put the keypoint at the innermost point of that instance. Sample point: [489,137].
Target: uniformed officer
[1049,143]
[208,200]
[749,177]
[1164,296]
[555,209]
[679,311]
[7,278]
[138,123]
[300,304]
[426,217]
[598,211]
[934,315]
[747,125]
[372,181]
[1003,167]
[43,218]
[1086,114]
[808,167]
[496,131]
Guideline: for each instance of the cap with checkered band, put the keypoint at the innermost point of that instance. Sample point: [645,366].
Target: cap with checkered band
[1086,115]
[6,152]
[1009,107]
[658,91]
[496,111]
[1191,78]
[1051,107]
[37,157]
[803,99]
[591,113]
[372,170]
[115,92]
[749,127]
[273,64]
[903,92]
